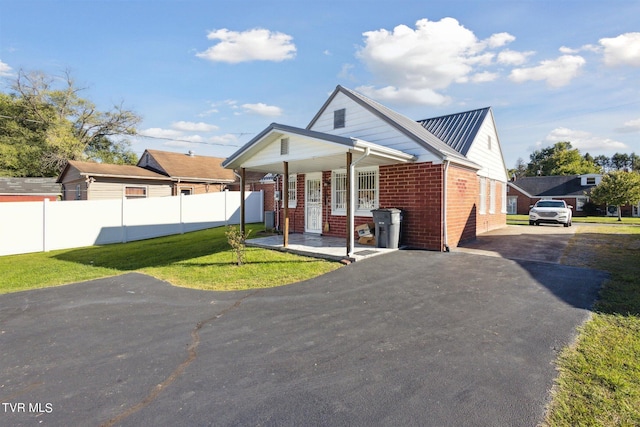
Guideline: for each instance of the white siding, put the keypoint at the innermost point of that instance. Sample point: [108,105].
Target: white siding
[300,148]
[363,124]
[489,156]
[110,190]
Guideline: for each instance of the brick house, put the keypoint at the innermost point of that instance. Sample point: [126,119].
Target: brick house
[573,189]
[446,174]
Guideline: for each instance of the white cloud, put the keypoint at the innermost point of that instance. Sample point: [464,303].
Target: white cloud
[257,44]
[426,59]
[484,77]
[193,126]
[500,39]
[512,57]
[584,141]
[630,126]
[263,109]
[346,72]
[558,72]
[227,138]
[405,95]
[5,69]
[161,133]
[622,50]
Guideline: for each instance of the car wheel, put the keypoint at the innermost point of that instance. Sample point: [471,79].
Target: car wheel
[532,223]
[566,224]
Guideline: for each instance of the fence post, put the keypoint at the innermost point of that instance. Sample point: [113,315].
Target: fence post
[123,226]
[181,217]
[45,205]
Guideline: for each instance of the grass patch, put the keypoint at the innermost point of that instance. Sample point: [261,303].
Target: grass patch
[201,260]
[599,376]
[524,220]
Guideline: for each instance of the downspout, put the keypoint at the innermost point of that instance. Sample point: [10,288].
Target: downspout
[352,168]
[444,207]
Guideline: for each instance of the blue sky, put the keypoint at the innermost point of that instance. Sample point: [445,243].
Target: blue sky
[209,75]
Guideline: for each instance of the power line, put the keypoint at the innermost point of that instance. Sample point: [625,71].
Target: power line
[191,142]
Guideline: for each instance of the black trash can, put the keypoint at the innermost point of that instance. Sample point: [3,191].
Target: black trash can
[387,223]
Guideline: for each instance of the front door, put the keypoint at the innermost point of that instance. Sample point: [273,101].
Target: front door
[313,203]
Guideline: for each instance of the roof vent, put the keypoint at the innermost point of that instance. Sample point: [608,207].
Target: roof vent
[191,153]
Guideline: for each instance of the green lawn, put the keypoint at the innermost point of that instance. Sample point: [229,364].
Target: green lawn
[201,260]
[599,380]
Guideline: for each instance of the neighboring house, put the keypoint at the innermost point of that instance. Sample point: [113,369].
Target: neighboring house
[257,181]
[573,189]
[93,181]
[446,174]
[29,189]
[158,173]
[189,173]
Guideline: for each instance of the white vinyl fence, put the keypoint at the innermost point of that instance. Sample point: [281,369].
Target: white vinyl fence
[44,226]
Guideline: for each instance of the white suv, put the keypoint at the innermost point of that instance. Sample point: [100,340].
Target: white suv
[550,211]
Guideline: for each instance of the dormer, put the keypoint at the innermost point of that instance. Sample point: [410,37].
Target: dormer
[590,179]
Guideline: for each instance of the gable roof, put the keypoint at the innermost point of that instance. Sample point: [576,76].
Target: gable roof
[551,186]
[375,151]
[188,166]
[112,171]
[410,128]
[458,130]
[30,186]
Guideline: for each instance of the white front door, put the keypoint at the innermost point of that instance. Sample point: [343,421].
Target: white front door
[313,203]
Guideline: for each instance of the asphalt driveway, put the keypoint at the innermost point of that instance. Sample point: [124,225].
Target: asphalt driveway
[408,338]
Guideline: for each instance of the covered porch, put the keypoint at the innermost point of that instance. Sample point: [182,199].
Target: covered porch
[286,150]
[318,246]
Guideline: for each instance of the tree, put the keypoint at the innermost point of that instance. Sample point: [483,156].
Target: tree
[47,121]
[560,159]
[520,170]
[618,188]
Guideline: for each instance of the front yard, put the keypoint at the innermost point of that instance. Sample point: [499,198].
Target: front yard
[599,376]
[200,260]
[599,381]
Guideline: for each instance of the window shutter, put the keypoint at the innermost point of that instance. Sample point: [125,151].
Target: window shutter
[339,118]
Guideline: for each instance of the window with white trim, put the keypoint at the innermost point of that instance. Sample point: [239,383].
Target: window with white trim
[339,192]
[492,196]
[580,202]
[78,192]
[482,205]
[293,190]
[365,188]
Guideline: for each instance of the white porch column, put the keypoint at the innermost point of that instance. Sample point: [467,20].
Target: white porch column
[350,196]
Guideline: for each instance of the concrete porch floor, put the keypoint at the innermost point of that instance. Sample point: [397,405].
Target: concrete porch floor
[317,246]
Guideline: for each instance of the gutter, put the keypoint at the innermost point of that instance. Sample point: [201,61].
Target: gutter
[444,208]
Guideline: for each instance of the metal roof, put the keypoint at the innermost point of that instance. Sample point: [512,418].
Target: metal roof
[458,130]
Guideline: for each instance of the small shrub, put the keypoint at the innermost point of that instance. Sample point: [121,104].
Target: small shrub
[236,240]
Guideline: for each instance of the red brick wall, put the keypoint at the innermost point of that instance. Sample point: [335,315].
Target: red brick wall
[462,198]
[417,190]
